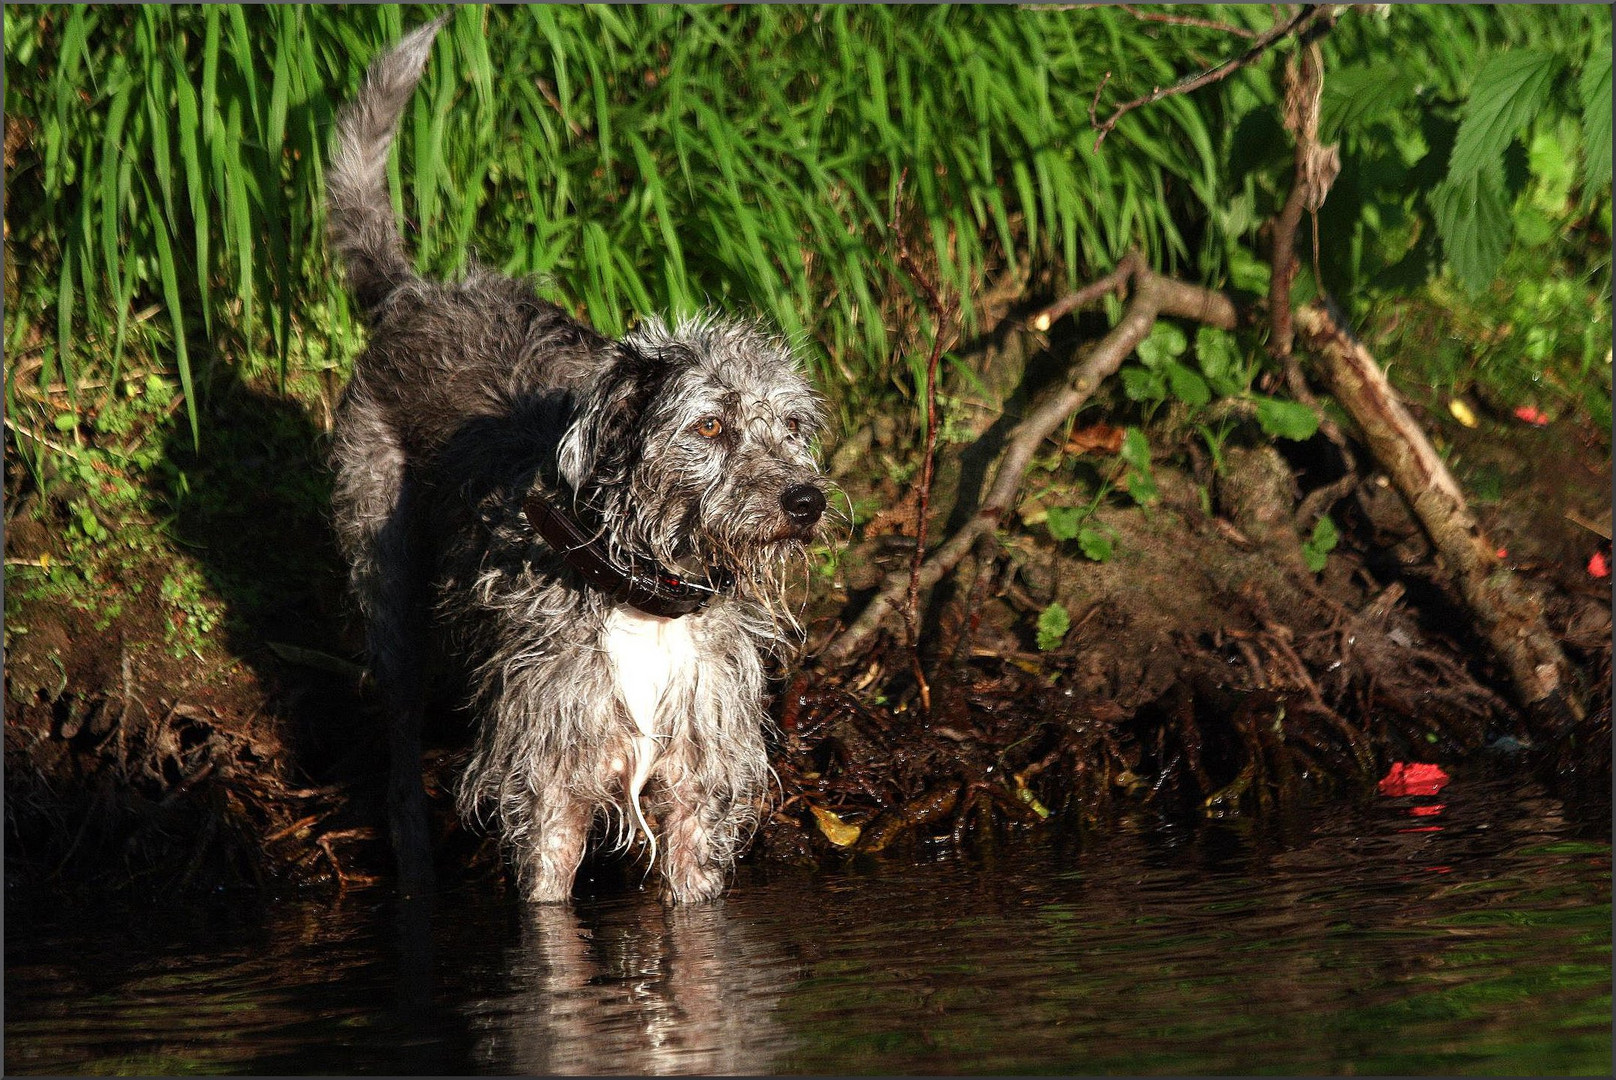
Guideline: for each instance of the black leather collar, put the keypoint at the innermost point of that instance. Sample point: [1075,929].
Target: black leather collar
[645,585]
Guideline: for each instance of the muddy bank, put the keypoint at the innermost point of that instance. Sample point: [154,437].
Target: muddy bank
[1204,670]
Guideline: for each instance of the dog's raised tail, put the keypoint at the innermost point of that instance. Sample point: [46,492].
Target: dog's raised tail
[361,227]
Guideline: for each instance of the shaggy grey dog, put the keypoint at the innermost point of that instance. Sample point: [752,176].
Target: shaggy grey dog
[592,533]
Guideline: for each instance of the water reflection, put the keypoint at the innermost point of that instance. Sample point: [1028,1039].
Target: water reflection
[1462,930]
[635,988]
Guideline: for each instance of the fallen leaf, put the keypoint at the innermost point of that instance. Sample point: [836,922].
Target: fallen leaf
[1413,778]
[1532,415]
[1101,437]
[835,829]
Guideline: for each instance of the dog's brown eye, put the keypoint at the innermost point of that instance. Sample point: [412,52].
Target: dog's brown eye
[793,425]
[709,427]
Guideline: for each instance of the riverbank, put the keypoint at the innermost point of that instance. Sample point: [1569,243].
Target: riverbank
[194,715]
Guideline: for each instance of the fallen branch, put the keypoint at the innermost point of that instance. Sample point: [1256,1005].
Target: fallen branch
[1510,618]
[1153,296]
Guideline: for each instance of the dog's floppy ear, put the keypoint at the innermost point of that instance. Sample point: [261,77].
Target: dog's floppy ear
[602,443]
[580,445]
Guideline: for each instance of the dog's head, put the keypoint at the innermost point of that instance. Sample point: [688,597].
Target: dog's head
[696,444]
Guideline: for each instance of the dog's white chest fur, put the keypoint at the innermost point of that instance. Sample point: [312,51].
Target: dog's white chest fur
[650,657]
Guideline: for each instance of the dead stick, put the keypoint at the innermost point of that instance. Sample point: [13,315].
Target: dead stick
[927,460]
[1510,617]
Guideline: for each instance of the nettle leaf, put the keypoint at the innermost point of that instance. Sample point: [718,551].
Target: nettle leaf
[1596,119]
[1510,90]
[1354,96]
[1061,521]
[1053,624]
[1165,342]
[1187,386]
[1095,544]
[1286,419]
[1142,385]
[1472,218]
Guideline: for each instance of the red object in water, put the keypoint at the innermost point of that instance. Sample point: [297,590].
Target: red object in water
[1598,565]
[1413,778]
[1532,415]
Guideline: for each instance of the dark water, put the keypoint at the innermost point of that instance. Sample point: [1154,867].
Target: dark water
[1463,933]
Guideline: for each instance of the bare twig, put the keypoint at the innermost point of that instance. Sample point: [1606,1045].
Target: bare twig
[1114,282]
[927,461]
[1188,20]
[1300,21]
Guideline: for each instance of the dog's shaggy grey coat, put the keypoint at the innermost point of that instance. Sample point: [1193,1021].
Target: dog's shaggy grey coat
[689,445]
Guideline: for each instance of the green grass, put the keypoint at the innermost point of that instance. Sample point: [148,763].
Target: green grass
[633,159]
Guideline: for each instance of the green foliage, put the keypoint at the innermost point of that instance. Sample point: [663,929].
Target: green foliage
[1077,523]
[1053,625]
[1286,419]
[1316,549]
[1509,91]
[1539,336]
[1434,149]
[634,158]
[1063,522]
[1594,87]
[1141,481]
[1162,373]
[1095,543]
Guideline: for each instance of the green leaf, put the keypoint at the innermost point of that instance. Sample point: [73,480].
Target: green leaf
[1216,352]
[1142,385]
[1472,218]
[1141,481]
[1164,343]
[1316,549]
[1596,118]
[1095,544]
[1353,96]
[1510,90]
[1053,624]
[1286,419]
[1187,386]
[1061,521]
[1135,448]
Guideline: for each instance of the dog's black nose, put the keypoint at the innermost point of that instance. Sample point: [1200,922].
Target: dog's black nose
[803,503]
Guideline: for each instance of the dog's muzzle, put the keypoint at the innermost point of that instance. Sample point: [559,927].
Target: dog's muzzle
[803,504]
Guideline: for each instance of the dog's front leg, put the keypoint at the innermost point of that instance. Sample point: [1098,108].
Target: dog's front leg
[549,862]
[696,846]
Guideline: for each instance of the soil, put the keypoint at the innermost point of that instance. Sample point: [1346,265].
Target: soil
[1206,671]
